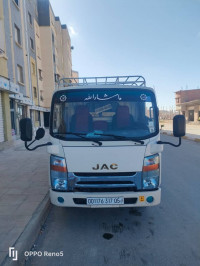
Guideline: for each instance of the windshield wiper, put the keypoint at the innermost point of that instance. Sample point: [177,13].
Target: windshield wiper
[81,135]
[119,137]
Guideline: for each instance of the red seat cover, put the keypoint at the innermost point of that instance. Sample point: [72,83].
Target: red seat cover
[82,116]
[100,125]
[123,117]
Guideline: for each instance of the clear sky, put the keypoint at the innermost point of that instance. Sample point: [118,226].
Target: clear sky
[159,39]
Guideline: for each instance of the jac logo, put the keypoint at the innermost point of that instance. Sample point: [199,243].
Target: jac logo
[104,166]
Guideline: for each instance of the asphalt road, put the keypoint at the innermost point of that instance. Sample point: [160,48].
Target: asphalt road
[167,234]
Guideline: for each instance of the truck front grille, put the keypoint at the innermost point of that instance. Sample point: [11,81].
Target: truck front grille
[105,174]
[104,189]
[104,182]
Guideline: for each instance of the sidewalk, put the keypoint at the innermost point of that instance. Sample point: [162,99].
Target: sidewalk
[23,186]
[192,131]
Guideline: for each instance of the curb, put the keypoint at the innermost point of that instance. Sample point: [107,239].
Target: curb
[27,238]
[184,137]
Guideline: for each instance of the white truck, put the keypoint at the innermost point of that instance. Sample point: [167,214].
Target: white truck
[105,148]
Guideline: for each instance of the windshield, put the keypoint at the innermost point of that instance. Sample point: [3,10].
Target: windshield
[131,113]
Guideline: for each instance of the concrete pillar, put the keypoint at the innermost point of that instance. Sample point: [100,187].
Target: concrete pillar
[6,116]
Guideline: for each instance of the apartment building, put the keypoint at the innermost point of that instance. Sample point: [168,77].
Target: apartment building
[188,104]
[35,51]
[55,52]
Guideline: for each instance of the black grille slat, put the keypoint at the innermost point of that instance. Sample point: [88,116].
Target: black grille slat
[130,200]
[105,174]
[79,201]
[104,189]
[104,182]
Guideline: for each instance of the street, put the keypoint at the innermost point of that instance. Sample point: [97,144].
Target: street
[168,234]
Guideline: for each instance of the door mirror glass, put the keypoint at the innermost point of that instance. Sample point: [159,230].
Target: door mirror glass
[40,133]
[179,126]
[26,130]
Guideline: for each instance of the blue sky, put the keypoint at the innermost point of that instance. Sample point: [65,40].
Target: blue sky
[159,39]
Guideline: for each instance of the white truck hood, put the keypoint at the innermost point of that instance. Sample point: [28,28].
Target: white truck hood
[105,158]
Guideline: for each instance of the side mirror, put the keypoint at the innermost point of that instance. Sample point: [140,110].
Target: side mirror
[26,130]
[40,133]
[179,126]
[178,130]
[27,134]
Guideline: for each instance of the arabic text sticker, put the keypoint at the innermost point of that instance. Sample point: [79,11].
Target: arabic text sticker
[103,98]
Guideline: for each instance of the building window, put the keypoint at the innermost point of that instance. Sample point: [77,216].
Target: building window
[37,116]
[21,111]
[53,39]
[20,74]
[33,69]
[191,115]
[12,114]
[35,92]
[32,43]
[16,2]
[17,35]
[40,74]
[29,18]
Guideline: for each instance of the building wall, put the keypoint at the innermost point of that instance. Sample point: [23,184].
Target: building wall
[47,64]
[1,120]
[52,57]
[75,74]
[8,39]
[34,80]
[18,49]
[5,125]
[39,66]
[3,57]
[59,44]
[6,116]
[187,95]
[188,102]
[66,51]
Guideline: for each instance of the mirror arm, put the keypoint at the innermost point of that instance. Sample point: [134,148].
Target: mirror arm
[42,145]
[174,145]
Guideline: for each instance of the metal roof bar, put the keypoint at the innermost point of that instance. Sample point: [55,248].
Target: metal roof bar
[110,80]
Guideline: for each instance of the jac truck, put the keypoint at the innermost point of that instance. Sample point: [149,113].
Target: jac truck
[105,148]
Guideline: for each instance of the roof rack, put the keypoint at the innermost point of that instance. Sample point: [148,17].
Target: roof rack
[115,80]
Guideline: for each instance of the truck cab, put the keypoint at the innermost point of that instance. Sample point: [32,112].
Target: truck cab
[105,148]
[104,151]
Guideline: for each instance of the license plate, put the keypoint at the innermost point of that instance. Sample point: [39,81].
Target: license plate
[105,201]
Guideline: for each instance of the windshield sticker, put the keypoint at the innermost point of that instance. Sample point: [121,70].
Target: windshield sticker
[104,98]
[151,126]
[63,98]
[103,109]
[143,97]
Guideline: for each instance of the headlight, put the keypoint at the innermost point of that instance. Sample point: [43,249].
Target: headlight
[151,172]
[58,173]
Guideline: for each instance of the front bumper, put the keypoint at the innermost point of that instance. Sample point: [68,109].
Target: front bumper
[75,199]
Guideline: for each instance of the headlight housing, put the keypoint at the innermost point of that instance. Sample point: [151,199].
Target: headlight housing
[151,172]
[58,173]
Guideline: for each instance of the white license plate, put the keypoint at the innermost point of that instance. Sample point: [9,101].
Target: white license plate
[105,201]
